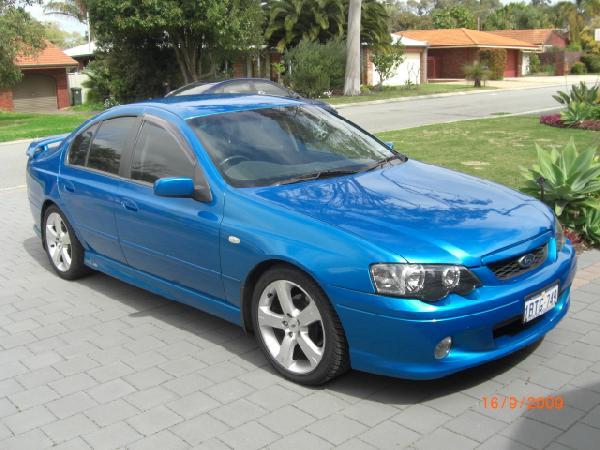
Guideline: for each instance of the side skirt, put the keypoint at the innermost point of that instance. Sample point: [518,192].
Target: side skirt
[163,288]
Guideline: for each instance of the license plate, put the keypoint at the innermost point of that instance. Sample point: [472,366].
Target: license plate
[540,303]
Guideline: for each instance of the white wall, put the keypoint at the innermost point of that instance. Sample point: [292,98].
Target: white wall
[76,80]
[525,63]
[409,69]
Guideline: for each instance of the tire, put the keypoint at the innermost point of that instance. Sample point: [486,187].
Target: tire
[302,337]
[61,245]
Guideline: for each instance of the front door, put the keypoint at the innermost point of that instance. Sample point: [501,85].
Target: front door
[176,239]
[89,181]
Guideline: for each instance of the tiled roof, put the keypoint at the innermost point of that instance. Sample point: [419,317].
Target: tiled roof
[539,36]
[50,56]
[463,37]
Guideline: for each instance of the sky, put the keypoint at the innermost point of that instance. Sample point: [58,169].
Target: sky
[66,23]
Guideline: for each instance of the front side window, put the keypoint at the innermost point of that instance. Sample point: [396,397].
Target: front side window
[109,143]
[80,146]
[271,145]
[157,154]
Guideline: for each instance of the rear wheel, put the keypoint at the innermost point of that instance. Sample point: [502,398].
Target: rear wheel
[62,246]
[297,328]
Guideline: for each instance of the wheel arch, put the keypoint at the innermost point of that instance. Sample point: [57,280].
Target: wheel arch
[247,287]
[47,204]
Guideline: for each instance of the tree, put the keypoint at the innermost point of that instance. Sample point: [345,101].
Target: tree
[386,60]
[20,35]
[575,15]
[374,23]
[200,33]
[457,16]
[352,77]
[62,38]
[519,16]
[476,72]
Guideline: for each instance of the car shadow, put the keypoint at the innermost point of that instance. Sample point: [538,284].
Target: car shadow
[214,330]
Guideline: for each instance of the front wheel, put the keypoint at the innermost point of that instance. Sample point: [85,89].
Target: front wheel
[297,328]
[62,246]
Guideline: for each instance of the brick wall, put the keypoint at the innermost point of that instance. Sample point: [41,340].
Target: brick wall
[6,102]
[449,62]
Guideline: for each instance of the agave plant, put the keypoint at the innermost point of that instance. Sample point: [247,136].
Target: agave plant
[577,112]
[590,225]
[570,180]
[581,93]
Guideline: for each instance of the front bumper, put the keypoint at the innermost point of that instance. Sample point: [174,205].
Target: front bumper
[397,337]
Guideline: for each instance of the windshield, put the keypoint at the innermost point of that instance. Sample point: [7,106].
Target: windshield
[273,145]
[191,89]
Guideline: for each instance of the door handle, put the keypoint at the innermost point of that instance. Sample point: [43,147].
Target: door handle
[129,204]
[68,186]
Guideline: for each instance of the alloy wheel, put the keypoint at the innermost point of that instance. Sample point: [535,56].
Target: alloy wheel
[291,326]
[58,242]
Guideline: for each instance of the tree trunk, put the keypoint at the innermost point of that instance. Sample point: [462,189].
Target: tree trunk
[352,78]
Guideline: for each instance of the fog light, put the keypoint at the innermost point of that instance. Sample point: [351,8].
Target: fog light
[443,348]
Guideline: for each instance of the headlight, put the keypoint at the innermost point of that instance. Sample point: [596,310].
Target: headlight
[428,282]
[559,235]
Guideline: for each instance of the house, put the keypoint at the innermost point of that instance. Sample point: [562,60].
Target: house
[83,54]
[451,49]
[413,69]
[544,38]
[44,84]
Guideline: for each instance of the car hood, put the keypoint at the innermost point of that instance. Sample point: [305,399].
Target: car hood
[420,212]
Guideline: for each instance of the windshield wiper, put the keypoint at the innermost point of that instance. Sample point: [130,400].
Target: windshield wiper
[316,176]
[382,162]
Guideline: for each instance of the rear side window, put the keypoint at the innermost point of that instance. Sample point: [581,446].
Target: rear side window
[237,87]
[157,154]
[109,144]
[81,145]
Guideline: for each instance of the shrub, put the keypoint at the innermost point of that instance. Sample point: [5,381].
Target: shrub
[571,182]
[592,63]
[578,68]
[477,72]
[316,67]
[495,60]
[534,63]
[579,93]
[553,120]
[590,124]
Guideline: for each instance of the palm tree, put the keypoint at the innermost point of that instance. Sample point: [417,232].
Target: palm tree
[71,8]
[290,21]
[352,79]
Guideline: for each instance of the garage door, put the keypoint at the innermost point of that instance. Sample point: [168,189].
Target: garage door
[512,63]
[35,92]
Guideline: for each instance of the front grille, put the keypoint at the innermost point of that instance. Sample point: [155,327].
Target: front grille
[510,268]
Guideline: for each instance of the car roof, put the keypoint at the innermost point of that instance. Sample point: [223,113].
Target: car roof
[191,106]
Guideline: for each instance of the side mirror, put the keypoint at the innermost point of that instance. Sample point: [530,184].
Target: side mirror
[390,145]
[174,187]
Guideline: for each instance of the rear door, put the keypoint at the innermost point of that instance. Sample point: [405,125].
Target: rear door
[176,239]
[89,180]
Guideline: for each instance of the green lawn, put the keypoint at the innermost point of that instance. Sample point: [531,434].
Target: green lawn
[490,148]
[29,125]
[390,92]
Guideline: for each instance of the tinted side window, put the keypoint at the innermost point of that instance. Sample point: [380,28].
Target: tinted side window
[158,155]
[109,143]
[80,146]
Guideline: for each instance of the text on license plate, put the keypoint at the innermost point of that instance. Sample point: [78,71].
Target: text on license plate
[540,303]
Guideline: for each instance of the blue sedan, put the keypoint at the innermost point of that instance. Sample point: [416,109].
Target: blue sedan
[333,249]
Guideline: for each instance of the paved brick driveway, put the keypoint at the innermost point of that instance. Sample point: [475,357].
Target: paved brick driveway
[97,363]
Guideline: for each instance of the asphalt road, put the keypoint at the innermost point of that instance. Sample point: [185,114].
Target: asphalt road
[416,112]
